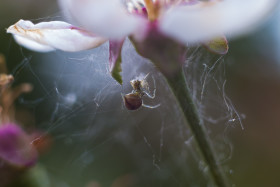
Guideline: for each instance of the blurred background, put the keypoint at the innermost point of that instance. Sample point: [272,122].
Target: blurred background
[96,142]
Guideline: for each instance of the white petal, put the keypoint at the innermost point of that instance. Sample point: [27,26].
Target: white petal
[32,45]
[108,18]
[47,36]
[206,20]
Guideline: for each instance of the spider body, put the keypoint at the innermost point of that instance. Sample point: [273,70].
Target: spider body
[134,100]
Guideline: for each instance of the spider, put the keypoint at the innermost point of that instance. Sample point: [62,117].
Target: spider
[134,99]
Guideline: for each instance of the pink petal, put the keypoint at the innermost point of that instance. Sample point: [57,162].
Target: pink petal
[48,36]
[15,146]
[207,20]
[104,17]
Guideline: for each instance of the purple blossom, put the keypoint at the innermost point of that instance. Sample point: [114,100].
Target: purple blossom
[15,147]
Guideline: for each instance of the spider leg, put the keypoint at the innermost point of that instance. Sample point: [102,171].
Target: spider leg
[149,106]
[151,96]
[146,76]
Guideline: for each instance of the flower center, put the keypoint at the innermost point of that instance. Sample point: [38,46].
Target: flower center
[147,8]
[153,9]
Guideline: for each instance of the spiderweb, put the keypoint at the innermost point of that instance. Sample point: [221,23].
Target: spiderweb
[96,141]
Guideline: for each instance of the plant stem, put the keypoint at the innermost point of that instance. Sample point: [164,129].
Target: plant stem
[181,91]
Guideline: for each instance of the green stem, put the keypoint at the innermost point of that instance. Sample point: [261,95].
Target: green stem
[181,91]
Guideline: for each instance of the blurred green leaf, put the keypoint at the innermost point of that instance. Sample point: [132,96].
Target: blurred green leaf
[34,177]
[218,45]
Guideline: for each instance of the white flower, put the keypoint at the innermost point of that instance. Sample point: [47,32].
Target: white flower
[187,21]
[179,21]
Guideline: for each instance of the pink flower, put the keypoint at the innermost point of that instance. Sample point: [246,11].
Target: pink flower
[15,147]
[185,22]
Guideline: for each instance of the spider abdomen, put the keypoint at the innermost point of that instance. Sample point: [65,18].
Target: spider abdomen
[132,101]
